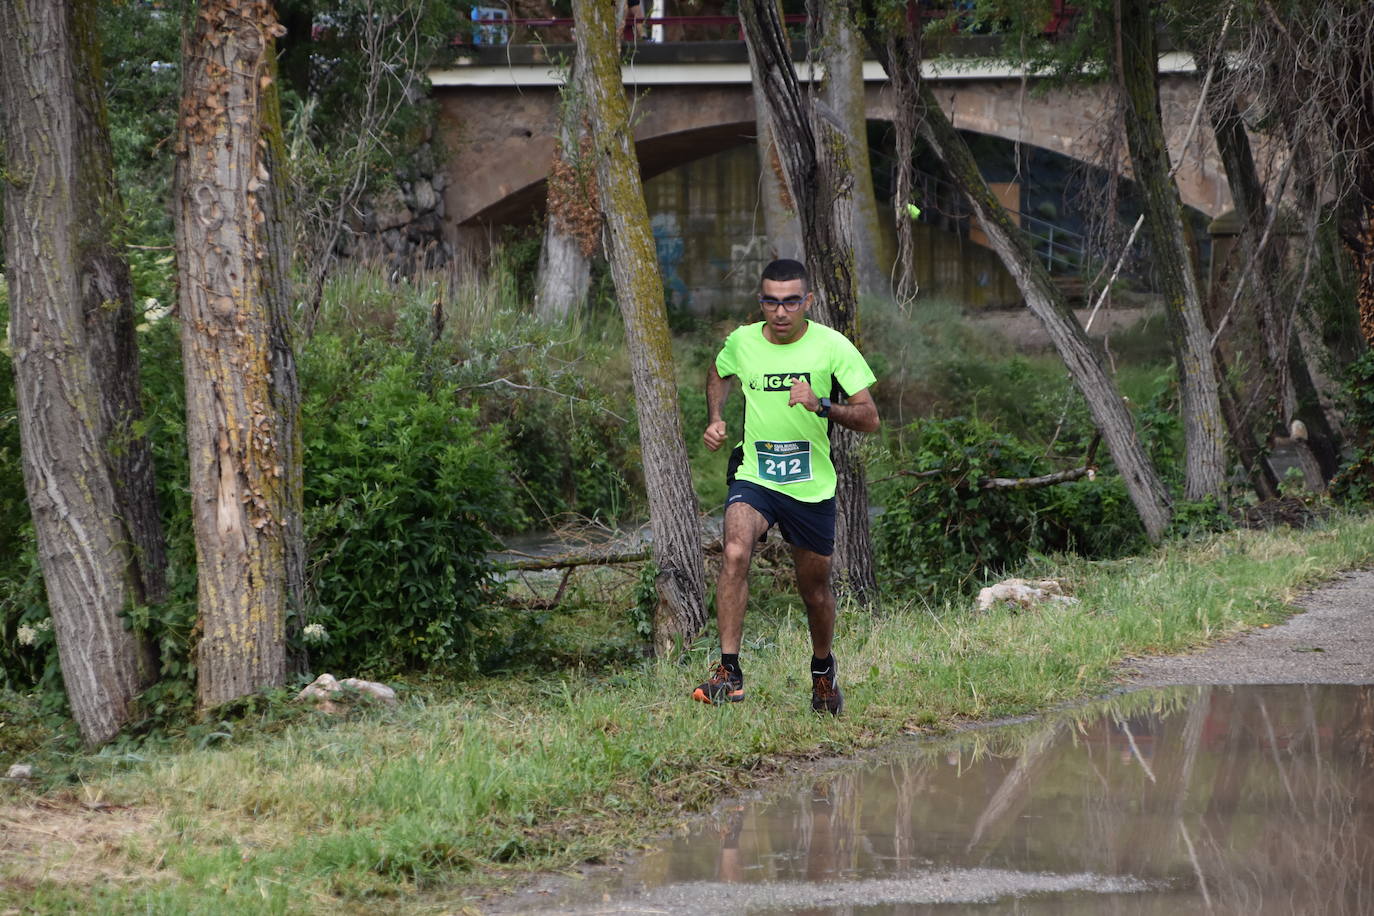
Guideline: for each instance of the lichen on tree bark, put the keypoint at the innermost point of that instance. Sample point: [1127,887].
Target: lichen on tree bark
[240,397]
[673,512]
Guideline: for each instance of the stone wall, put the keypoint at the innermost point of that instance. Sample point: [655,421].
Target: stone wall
[401,226]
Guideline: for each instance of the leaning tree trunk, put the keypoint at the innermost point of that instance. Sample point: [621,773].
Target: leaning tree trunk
[1043,298]
[240,425]
[842,56]
[87,470]
[780,222]
[673,514]
[821,179]
[1203,427]
[107,302]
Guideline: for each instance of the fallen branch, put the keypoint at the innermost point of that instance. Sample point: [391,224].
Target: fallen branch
[1088,469]
[1044,480]
[569,562]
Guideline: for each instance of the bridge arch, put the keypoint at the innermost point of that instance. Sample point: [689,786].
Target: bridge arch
[498,127]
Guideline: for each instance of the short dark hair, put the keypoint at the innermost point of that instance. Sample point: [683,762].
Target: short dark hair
[784,269]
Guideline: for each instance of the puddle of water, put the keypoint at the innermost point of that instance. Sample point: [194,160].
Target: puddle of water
[1231,800]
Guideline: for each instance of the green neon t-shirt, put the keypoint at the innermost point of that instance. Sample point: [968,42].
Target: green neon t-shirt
[787,448]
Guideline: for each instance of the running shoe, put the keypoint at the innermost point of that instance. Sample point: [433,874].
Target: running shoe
[826,695]
[725,686]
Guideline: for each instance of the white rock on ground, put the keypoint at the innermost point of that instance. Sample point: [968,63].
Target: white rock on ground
[1024,593]
[372,688]
[326,686]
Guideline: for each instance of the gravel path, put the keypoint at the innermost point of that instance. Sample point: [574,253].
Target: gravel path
[1331,642]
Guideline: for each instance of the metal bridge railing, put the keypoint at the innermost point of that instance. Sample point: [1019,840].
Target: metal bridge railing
[495,26]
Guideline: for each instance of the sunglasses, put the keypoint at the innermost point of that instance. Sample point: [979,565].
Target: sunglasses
[791,303]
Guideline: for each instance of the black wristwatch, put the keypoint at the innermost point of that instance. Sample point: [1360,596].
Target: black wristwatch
[824,410]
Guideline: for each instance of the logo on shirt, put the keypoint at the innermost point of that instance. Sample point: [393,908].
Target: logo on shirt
[782,448]
[778,381]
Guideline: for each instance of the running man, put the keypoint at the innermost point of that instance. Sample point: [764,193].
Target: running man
[789,367]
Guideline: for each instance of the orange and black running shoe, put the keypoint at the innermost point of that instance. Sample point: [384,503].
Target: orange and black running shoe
[826,695]
[724,686]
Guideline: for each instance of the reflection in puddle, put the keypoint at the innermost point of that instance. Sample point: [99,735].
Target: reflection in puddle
[1231,800]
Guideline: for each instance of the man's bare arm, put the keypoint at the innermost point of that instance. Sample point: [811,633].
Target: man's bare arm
[717,390]
[859,413]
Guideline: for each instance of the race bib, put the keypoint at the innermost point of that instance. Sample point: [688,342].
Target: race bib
[784,462]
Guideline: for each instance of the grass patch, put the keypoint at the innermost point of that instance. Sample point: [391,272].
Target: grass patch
[466,784]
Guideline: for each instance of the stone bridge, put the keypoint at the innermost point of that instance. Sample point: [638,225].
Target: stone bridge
[498,120]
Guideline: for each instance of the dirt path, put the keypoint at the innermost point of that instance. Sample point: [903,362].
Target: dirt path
[1331,642]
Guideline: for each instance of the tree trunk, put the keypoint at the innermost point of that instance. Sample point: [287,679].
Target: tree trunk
[779,210]
[565,259]
[107,303]
[240,426]
[1360,242]
[821,180]
[673,513]
[278,292]
[1203,428]
[904,125]
[564,275]
[1043,298]
[87,471]
[1347,97]
[1256,466]
[842,57]
[1285,367]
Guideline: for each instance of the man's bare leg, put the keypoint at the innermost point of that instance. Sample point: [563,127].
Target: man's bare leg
[813,584]
[744,525]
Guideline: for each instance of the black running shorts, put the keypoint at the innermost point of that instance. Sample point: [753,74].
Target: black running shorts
[810,526]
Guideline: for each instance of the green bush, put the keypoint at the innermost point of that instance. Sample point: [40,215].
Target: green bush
[941,530]
[172,625]
[401,488]
[1354,482]
[561,391]
[569,420]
